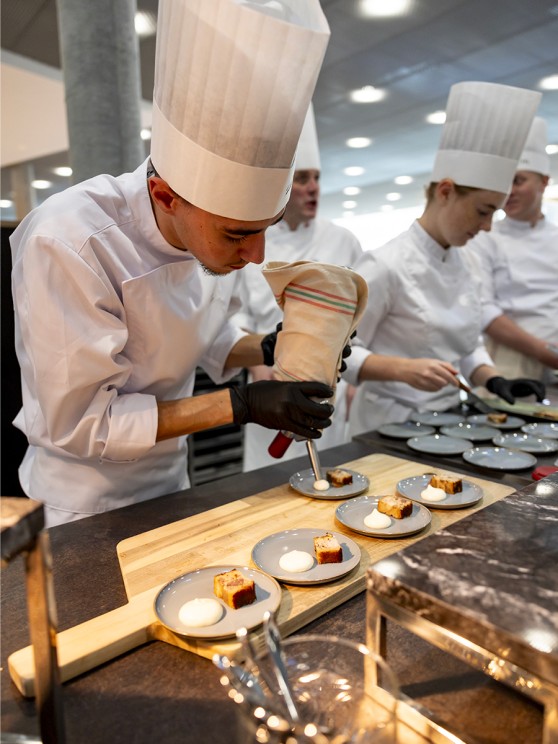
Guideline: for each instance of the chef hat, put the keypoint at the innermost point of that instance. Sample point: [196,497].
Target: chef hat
[233,82]
[307,152]
[484,133]
[534,156]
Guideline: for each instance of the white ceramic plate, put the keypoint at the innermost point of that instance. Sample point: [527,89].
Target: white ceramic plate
[199,584]
[499,458]
[526,442]
[437,418]
[513,422]
[352,513]
[439,444]
[405,430]
[412,487]
[547,431]
[303,482]
[472,432]
[267,552]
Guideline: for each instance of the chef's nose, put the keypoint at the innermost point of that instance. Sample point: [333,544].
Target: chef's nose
[486,223]
[253,248]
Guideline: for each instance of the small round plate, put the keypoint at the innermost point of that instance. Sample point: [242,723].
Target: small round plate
[303,482]
[547,431]
[405,430]
[472,432]
[499,458]
[351,513]
[412,487]
[439,444]
[526,442]
[267,552]
[512,422]
[437,418]
[199,584]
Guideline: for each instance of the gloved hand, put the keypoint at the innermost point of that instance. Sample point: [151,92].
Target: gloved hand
[268,346]
[520,387]
[283,405]
[345,353]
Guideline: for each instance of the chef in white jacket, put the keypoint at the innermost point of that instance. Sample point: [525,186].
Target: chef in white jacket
[121,284]
[422,325]
[300,235]
[519,271]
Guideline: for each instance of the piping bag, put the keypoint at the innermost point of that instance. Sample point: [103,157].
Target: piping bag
[322,304]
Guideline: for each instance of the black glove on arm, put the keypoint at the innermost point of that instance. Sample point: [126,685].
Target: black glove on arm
[283,405]
[268,346]
[520,387]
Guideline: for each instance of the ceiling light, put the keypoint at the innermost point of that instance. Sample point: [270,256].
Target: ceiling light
[367,94]
[436,117]
[63,170]
[351,190]
[353,170]
[40,184]
[358,142]
[551,149]
[549,83]
[403,180]
[349,204]
[385,8]
[387,208]
[145,134]
[145,24]
[393,196]
[6,203]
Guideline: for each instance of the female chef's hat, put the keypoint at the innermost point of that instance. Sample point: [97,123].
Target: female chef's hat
[307,152]
[534,156]
[484,133]
[233,82]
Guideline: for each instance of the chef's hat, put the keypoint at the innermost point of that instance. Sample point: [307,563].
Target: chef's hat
[233,82]
[484,133]
[534,156]
[307,152]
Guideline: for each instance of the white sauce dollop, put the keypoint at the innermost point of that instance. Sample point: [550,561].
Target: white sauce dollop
[321,485]
[200,612]
[296,561]
[377,520]
[433,494]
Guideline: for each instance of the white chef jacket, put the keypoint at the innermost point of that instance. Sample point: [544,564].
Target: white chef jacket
[519,273]
[110,318]
[423,302]
[318,240]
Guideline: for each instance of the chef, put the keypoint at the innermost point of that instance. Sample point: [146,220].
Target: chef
[299,236]
[423,325]
[121,285]
[519,271]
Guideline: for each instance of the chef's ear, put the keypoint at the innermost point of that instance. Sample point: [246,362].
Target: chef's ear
[162,195]
[445,188]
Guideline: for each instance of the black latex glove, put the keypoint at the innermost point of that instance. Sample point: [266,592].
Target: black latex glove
[283,405]
[268,346]
[520,387]
[345,353]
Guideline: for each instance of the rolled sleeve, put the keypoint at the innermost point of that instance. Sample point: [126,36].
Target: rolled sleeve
[213,361]
[133,427]
[354,362]
[475,359]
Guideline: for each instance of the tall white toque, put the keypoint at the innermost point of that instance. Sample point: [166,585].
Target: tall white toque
[308,152]
[484,133]
[233,82]
[534,156]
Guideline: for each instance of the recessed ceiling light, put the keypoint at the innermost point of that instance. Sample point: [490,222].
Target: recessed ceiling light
[63,170]
[384,8]
[387,207]
[145,24]
[145,134]
[349,204]
[549,83]
[6,203]
[41,184]
[403,180]
[358,142]
[353,170]
[351,190]
[367,94]
[551,149]
[393,196]
[436,117]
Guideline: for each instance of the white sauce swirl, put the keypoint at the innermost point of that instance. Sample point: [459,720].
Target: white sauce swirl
[377,520]
[296,561]
[433,494]
[200,612]
[321,485]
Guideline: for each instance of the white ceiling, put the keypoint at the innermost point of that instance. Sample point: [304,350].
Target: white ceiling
[416,58]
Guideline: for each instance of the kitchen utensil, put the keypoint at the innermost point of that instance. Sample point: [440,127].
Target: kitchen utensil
[273,641]
[480,404]
[314,459]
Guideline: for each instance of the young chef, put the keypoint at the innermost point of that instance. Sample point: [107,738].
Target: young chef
[423,321]
[299,236]
[120,284]
[519,271]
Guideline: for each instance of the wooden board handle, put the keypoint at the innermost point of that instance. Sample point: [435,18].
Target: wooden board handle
[92,643]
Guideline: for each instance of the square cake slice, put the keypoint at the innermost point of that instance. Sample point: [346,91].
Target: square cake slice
[447,483]
[395,506]
[234,588]
[327,549]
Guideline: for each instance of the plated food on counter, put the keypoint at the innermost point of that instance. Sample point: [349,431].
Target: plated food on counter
[215,601]
[383,516]
[440,491]
[497,419]
[339,483]
[306,556]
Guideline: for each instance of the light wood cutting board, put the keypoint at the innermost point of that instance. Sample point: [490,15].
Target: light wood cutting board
[225,535]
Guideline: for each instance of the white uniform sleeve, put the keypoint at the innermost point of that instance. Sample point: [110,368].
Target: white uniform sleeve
[72,331]
[240,312]
[476,358]
[482,252]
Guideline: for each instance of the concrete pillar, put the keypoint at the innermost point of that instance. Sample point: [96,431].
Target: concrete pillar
[100,63]
[23,194]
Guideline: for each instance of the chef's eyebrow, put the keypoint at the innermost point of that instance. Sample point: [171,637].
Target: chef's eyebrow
[247,231]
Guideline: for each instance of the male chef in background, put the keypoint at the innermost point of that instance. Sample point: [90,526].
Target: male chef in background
[121,285]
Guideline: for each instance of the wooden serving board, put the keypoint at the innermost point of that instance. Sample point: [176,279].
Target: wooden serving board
[225,536]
